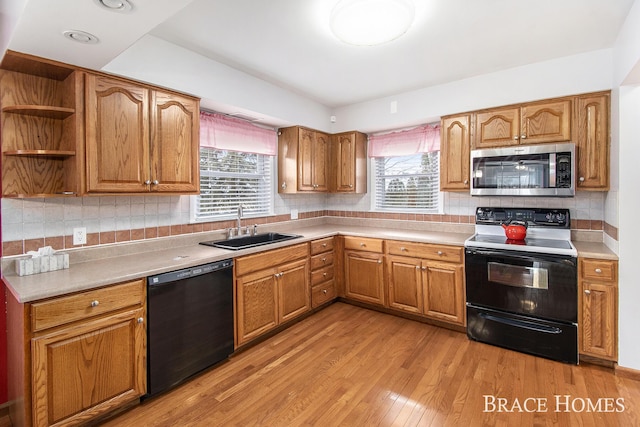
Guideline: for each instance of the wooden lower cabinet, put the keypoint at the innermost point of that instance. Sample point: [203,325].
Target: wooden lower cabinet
[323,283]
[84,355]
[363,270]
[598,311]
[272,288]
[433,289]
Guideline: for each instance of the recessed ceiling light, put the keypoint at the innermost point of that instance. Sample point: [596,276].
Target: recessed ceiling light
[371,22]
[80,36]
[123,6]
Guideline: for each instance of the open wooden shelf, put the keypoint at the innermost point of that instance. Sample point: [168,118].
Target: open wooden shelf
[40,111]
[40,153]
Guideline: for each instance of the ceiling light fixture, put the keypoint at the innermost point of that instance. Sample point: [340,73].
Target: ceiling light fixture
[80,36]
[123,6]
[371,22]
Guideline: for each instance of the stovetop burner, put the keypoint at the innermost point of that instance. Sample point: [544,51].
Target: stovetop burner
[548,230]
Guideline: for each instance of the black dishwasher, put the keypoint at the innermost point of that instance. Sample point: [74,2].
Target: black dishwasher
[190,323]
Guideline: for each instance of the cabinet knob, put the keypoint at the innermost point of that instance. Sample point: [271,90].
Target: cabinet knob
[523,136]
[95,303]
[284,186]
[350,185]
[155,182]
[417,267]
[362,245]
[324,291]
[140,319]
[324,245]
[598,270]
[324,274]
[402,248]
[587,292]
[147,182]
[440,253]
[466,181]
[515,138]
[424,268]
[581,179]
[379,261]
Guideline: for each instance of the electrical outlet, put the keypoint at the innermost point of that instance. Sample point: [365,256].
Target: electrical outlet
[80,236]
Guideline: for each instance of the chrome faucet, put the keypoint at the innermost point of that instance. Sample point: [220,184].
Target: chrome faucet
[239,220]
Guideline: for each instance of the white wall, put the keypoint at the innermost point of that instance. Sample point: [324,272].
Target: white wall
[571,75]
[221,88]
[627,77]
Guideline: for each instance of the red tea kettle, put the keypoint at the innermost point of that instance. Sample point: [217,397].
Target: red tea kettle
[515,230]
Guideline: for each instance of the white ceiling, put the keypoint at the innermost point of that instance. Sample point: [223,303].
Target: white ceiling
[288,43]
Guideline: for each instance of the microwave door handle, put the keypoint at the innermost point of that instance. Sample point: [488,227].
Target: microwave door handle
[552,170]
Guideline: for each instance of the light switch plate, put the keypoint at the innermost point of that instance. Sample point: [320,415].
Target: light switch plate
[294,213]
[80,236]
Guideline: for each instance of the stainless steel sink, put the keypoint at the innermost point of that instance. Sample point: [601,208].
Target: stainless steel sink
[245,242]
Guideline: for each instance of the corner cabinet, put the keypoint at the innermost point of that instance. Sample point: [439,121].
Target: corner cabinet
[272,288]
[303,160]
[42,124]
[84,355]
[140,139]
[598,309]
[455,153]
[349,153]
[592,141]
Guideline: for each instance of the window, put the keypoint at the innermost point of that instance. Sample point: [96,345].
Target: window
[407,183]
[232,178]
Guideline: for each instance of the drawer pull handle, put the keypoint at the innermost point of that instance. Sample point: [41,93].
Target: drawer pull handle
[587,292]
[278,275]
[95,303]
[440,253]
[324,260]
[424,268]
[324,274]
[402,248]
[417,267]
[140,319]
[324,245]
[379,261]
[324,291]
[362,245]
[598,270]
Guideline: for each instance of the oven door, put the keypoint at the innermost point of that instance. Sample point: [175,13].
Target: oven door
[531,284]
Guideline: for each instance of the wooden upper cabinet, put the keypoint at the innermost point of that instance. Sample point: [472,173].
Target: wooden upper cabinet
[533,123]
[455,153]
[117,135]
[139,139]
[497,128]
[313,160]
[592,141]
[175,125]
[349,162]
[546,122]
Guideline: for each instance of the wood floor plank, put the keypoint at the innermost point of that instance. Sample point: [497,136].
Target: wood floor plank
[349,366]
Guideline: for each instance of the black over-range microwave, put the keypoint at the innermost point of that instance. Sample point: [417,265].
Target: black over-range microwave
[533,170]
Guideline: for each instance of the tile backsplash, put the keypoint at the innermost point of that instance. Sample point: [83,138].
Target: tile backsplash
[109,219]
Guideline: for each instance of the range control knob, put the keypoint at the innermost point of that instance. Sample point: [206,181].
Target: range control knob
[561,217]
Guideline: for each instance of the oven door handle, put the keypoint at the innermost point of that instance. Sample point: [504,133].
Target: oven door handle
[569,260]
[522,324]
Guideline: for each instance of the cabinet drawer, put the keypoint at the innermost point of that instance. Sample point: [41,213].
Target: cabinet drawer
[603,270]
[267,259]
[363,244]
[321,275]
[321,260]
[426,250]
[323,293]
[71,308]
[321,245]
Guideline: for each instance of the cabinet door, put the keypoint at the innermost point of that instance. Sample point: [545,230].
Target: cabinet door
[598,320]
[592,142]
[454,153]
[117,130]
[345,158]
[175,143]
[549,122]
[83,371]
[405,284]
[306,142]
[497,128]
[364,279]
[293,290]
[321,152]
[444,292]
[257,304]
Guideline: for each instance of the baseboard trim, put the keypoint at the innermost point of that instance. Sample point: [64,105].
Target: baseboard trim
[633,374]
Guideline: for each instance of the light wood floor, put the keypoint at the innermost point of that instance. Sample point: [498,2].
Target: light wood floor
[348,366]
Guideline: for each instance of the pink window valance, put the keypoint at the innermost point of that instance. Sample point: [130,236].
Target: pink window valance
[421,139]
[228,133]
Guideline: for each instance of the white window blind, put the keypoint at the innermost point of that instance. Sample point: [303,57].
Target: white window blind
[407,183]
[231,178]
